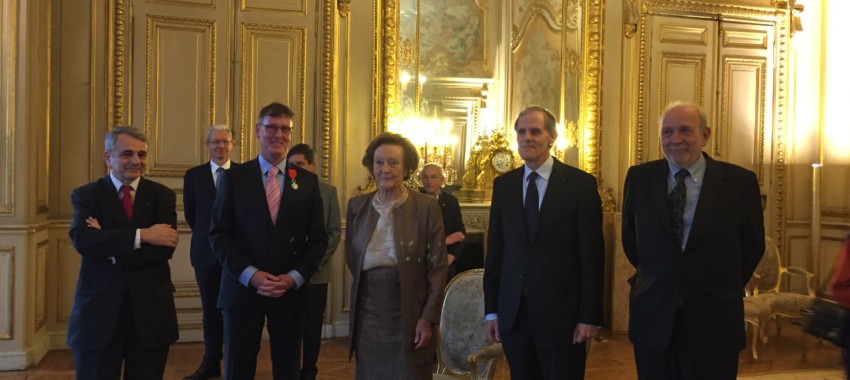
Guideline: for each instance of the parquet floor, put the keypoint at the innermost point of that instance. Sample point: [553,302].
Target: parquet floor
[610,359]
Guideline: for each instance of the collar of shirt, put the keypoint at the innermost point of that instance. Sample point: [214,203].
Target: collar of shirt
[696,171]
[544,171]
[215,166]
[265,165]
[118,184]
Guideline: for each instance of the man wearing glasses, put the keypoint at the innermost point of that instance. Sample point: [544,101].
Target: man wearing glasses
[198,195]
[268,232]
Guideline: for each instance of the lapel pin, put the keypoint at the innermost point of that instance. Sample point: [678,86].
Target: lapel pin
[292,174]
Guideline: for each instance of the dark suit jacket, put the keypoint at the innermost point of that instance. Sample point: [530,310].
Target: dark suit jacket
[242,234]
[560,270]
[142,275]
[725,243]
[198,197]
[452,220]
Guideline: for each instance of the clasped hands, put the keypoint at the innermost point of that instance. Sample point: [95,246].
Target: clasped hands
[269,285]
[159,234]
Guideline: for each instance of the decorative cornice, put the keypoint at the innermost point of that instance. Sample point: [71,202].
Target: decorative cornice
[720,11]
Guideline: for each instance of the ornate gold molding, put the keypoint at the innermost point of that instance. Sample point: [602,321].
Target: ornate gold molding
[591,99]
[781,120]
[327,114]
[389,57]
[725,11]
[118,66]
[344,8]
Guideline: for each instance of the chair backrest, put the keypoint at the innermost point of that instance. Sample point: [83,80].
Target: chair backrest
[769,268]
[462,327]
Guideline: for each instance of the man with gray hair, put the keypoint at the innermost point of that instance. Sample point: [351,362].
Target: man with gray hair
[693,229]
[198,196]
[124,228]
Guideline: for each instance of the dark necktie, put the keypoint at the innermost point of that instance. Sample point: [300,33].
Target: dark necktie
[217,174]
[676,201]
[532,205]
[127,201]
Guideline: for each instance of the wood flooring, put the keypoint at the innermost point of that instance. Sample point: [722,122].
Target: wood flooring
[610,359]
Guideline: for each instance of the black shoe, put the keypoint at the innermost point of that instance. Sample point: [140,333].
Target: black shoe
[204,373]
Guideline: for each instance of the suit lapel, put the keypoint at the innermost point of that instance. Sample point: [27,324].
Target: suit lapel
[288,195]
[710,193]
[516,202]
[659,194]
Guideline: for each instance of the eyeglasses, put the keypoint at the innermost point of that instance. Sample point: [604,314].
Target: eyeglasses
[274,129]
[219,142]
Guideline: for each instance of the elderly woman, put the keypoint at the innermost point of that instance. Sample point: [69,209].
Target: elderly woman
[396,253]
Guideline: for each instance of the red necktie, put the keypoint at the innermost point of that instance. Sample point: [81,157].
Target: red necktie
[127,201]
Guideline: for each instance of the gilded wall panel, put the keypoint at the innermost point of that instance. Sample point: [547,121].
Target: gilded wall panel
[273,68]
[677,34]
[536,70]
[739,132]
[836,172]
[453,40]
[749,39]
[68,269]
[40,278]
[8,53]
[286,6]
[180,97]
[7,291]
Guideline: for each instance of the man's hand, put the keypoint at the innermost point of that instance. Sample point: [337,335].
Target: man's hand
[584,333]
[456,237]
[268,285]
[493,331]
[287,281]
[451,258]
[159,234]
[423,334]
[93,223]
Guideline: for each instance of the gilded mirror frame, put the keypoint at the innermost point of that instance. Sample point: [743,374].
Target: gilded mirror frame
[385,67]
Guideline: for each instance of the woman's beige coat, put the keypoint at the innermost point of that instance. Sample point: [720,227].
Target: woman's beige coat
[422,263]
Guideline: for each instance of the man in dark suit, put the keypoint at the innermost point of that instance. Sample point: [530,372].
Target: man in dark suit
[543,273]
[198,195]
[124,228]
[433,178]
[268,232]
[693,229]
[303,156]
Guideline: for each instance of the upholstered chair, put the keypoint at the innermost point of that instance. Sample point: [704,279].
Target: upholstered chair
[463,350]
[768,279]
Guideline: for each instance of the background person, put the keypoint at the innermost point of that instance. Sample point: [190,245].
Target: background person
[198,196]
[302,155]
[433,179]
[395,250]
